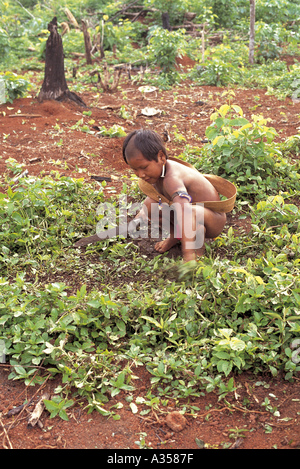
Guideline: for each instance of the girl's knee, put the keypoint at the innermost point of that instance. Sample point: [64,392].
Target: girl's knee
[215,223]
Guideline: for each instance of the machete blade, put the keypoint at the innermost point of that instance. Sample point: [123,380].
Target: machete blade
[123,230]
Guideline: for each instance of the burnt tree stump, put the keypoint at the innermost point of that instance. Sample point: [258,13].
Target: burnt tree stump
[166,21]
[54,85]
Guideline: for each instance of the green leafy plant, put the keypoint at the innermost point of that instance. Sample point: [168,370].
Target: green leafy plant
[57,406]
[194,326]
[267,50]
[163,49]
[33,225]
[114,131]
[119,384]
[124,113]
[116,35]
[274,212]
[229,352]
[174,9]
[236,432]
[83,127]
[73,41]
[216,73]
[244,151]
[222,66]
[15,86]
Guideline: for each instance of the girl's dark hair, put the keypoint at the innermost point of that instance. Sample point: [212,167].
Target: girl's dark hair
[147,142]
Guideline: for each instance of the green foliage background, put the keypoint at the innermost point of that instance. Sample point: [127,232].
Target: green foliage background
[195,325]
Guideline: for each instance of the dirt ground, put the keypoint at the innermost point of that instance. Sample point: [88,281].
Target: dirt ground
[40,136]
[217,424]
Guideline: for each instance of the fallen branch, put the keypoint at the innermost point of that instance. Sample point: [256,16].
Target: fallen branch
[46,446]
[25,9]
[35,160]
[18,418]
[38,410]
[111,106]
[281,424]
[16,410]
[6,436]
[77,54]
[16,179]
[231,409]
[101,178]
[71,18]
[123,10]
[27,116]
[241,409]
[27,366]
[237,443]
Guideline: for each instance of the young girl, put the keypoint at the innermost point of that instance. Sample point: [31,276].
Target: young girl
[179,185]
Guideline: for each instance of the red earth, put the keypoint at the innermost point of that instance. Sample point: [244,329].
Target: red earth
[41,137]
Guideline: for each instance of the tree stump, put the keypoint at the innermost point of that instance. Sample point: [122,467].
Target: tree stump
[166,21]
[87,42]
[54,85]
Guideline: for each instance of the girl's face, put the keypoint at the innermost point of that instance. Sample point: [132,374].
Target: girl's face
[149,171]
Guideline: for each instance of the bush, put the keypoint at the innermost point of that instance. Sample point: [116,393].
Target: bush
[225,12]
[174,8]
[121,35]
[164,46]
[25,212]
[15,86]
[275,11]
[287,84]
[244,152]
[221,67]
[275,212]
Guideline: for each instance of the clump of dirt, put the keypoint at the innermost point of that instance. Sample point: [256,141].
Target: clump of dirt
[176,421]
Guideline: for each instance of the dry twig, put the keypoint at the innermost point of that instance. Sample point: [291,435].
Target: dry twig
[38,410]
[6,436]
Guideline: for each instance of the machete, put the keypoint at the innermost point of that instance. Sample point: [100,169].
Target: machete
[130,228]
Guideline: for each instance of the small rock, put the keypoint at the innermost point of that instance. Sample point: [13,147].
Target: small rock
[176,421]
[200,443]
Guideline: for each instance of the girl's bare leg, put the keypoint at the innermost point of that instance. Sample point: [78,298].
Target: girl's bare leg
[214,224]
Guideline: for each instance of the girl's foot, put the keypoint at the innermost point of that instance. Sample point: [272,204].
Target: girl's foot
[165,245]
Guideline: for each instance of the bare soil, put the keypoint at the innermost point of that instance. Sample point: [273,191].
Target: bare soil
[40,136]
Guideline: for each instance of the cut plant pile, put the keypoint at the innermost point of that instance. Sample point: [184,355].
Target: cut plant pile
[119,336]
